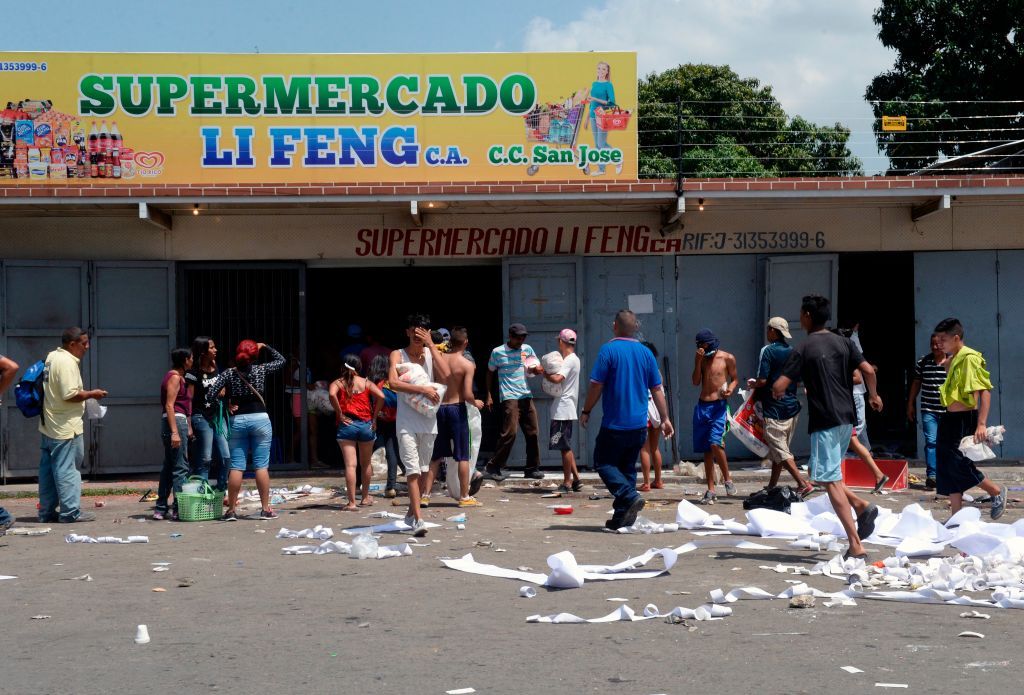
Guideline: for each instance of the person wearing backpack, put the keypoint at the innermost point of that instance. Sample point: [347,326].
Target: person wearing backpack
[8,370]
[61,429]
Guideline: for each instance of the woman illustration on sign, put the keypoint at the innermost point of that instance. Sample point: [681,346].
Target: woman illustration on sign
[602,95]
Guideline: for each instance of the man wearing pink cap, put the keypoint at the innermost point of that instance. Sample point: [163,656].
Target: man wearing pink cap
[563,410]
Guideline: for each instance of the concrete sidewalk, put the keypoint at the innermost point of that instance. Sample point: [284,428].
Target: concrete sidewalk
[744,473]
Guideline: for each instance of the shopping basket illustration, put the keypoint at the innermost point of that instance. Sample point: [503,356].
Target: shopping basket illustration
[554,124]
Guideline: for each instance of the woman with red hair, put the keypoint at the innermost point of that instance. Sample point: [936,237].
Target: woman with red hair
[250,431]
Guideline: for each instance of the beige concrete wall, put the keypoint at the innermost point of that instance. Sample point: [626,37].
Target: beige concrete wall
[723,227]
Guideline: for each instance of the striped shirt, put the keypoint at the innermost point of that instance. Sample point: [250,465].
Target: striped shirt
[508,363]
[931,376]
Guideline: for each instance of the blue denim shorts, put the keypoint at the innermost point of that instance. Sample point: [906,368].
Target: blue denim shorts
[356,431]
[827,449]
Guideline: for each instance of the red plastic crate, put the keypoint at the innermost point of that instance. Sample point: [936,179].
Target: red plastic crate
[857,474]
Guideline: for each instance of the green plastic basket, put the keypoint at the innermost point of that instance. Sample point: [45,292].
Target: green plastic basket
[206,505]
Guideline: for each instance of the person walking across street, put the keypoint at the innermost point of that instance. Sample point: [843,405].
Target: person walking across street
[967,396]
[714,371]
[929,375]
[416,431]
[824,362]
[780,415]
[512,362]
[624,373]
[61,429]
[563,410]
[8,372]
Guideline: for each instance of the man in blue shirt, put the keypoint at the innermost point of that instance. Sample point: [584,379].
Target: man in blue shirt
[624,373]
[512,362]
[780,414]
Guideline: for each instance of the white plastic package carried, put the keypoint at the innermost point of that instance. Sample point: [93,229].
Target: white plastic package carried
[552,364]
[318,400]
[414,374]
[93,409]
[982,451]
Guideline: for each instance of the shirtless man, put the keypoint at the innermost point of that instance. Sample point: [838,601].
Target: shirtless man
[416,432]
[452,424]
[714,371]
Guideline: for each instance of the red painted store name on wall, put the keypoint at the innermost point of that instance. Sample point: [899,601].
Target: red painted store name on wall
[397,242]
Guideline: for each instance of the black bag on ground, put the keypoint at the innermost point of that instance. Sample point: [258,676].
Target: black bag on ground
[778,498]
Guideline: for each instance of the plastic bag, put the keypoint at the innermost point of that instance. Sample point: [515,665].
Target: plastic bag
[414,374]
[364,547]
[982,451]
[747,424]
[452,468]
[318,400]
[552,364]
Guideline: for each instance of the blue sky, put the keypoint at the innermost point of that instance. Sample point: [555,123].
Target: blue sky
[818,56]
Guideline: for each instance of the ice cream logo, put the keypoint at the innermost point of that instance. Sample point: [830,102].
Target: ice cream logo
[149,163]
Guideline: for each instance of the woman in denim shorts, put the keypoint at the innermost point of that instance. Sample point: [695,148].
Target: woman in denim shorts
[356,419]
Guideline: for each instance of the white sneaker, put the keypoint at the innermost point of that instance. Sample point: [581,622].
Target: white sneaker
[730,488]
[419,529]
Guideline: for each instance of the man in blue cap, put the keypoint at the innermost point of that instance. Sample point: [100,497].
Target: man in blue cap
[714,371]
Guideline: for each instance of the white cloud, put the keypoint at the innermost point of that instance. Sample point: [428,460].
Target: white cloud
[818,56]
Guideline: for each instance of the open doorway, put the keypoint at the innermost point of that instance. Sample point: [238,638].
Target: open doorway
[377,301]
[877,290]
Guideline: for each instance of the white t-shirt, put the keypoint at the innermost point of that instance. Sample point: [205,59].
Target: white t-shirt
[407,418]
[565,407]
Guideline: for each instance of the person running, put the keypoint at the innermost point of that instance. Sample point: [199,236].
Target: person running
[929,375]
[453,422]
[416,431]
[624,373]
[857,442]
[714,371]
[176,398]
[251,431]
[512,362]
[966,395]
[355,420]
[650,453]
[209,413]
[824,362]
[780,415]
[386,435]
[563,412]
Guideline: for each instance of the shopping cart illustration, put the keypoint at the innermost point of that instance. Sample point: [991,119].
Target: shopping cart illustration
[555,124]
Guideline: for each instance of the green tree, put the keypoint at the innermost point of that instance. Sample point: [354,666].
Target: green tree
[955,60]
[706,121]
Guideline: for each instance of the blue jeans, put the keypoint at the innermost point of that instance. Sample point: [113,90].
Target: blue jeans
[175,469]
[600,138]
[59,479]
[930,428]
[388,440]
[5,519]
[615,455]
[250,433]
[202,453]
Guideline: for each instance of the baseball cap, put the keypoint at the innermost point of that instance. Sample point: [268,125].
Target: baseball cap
[781,325]
[354,330]
[568,336]
[517,329]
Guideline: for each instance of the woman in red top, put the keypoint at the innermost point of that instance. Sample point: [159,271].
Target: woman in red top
[176,397]
[356,419]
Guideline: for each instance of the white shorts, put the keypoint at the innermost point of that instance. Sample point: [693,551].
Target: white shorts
[415,450]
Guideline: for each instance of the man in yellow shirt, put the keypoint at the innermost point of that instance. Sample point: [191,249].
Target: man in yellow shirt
[61,427]
[966,395]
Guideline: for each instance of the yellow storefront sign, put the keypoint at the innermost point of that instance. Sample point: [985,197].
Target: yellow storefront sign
[221,118]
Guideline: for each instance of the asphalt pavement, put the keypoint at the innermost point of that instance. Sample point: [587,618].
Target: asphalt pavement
[236,615]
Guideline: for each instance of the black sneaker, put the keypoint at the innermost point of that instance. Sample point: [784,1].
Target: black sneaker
[929,484]
[6,525]
[494,473]
[229,516]
[612,525]
[268,514]
[81,518]
[475,481]
[577,486]
[534,473]
[630,516]
[866,522]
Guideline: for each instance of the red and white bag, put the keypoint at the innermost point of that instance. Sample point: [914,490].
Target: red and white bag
[747,424]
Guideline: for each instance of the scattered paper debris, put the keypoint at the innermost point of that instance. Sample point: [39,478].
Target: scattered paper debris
[975,614]
[527,592]
[968,633]
[23,531]
[460,691]
[161,568]
[76,538]
[851,669]
[627,614]
[158,589]
[82,578]
[41,617]
[891,685]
